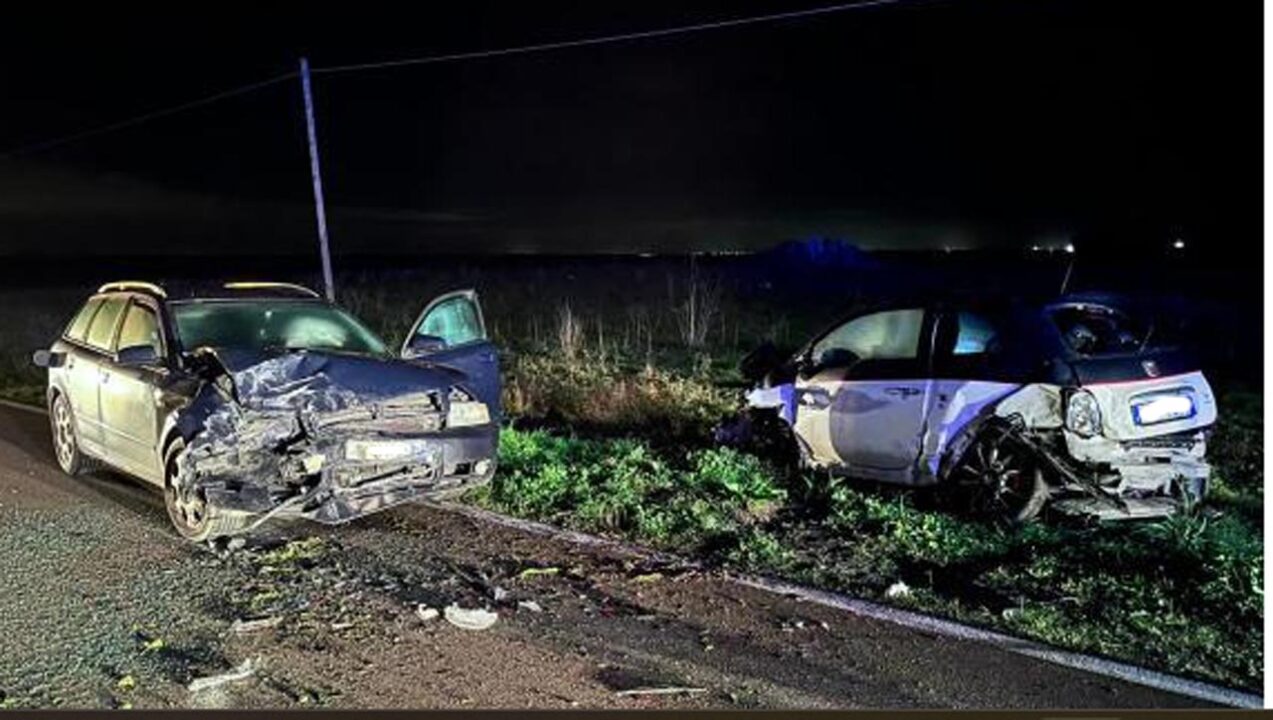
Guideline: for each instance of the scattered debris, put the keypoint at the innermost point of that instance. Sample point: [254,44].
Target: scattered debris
[243,627]
[662,691]
[498,594]
[244,671]
[530,605]
[475,619]
[338,626]
[533,571]
[126,683]
[648,577]
[426,613]
[898,589]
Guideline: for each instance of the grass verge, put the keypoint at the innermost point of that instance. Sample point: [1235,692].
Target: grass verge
[1183,595]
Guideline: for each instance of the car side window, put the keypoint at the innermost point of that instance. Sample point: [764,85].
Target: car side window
[78,328]
[456,321]
[141,328]
[102,328]
[977,335]
[888,335]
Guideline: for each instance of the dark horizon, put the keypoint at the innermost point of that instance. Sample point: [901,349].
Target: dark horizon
[918,125]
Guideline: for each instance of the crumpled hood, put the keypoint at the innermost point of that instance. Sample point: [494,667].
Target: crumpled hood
[316,380]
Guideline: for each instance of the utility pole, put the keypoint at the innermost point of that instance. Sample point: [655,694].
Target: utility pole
[319,209]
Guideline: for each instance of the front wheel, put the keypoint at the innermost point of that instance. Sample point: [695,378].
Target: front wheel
[1007,483]
[191,514]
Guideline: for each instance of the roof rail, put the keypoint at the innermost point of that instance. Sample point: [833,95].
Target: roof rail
[271,286]
[135,285]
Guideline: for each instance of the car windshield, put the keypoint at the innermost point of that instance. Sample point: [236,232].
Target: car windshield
[273,324]
[1101,330]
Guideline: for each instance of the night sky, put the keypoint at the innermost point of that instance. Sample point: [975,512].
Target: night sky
[916,125]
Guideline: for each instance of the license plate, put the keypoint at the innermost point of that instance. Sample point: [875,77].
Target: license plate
[1162,408]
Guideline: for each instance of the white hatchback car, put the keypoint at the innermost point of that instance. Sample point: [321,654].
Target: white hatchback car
[1073,401]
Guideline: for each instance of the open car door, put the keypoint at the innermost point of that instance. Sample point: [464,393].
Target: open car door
[451,331]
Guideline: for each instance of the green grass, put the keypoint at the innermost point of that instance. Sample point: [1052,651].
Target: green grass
[1183,594]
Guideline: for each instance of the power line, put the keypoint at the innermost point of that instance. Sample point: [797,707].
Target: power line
[522,49]
[622,37]
[139,119]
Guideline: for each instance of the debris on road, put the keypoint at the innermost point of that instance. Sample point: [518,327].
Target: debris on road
[534,571]
[244,671]
[648,577]
[530,605]
[470,619]
[898,589]
[244,627]
[662,691]
[426,613]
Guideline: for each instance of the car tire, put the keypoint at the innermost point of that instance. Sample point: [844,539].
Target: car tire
[1007,482]
[194,519]
[66,443]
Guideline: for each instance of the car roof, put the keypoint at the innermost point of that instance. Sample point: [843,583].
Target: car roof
[188,291]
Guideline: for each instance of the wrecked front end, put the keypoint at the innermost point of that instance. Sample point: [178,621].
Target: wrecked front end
[330,438]
[1114,450]
[1142,442]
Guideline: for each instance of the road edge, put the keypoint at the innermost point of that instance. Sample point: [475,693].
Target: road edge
[1105,667]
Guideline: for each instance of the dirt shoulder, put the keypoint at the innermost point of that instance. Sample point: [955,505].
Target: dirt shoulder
[105,607]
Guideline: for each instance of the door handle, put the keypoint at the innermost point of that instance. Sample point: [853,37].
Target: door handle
[105,376]
[901,391]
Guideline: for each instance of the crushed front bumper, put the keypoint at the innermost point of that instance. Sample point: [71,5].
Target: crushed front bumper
[341,489]
[1150,477]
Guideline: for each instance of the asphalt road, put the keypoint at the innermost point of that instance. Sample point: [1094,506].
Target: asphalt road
[104,606]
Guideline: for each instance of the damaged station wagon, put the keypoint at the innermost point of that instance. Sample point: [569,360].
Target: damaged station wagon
[1072,402]
[262,400]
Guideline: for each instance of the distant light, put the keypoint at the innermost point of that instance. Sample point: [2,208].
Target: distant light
[1069,248]
[1035,248]
[1179,244]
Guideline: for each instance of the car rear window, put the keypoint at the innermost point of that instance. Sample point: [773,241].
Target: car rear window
[102,328]
[79,326]
[1101,330]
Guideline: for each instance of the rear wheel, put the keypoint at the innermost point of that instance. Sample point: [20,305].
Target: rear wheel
[1006,481]
[191,514]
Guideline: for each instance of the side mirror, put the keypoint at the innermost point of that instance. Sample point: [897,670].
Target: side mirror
[420,345]
[137,355]
[47,359]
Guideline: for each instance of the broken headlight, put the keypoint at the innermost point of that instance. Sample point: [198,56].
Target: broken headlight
[1083,414]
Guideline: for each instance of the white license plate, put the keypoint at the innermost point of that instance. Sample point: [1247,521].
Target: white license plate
[389,450]
[1163,408]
